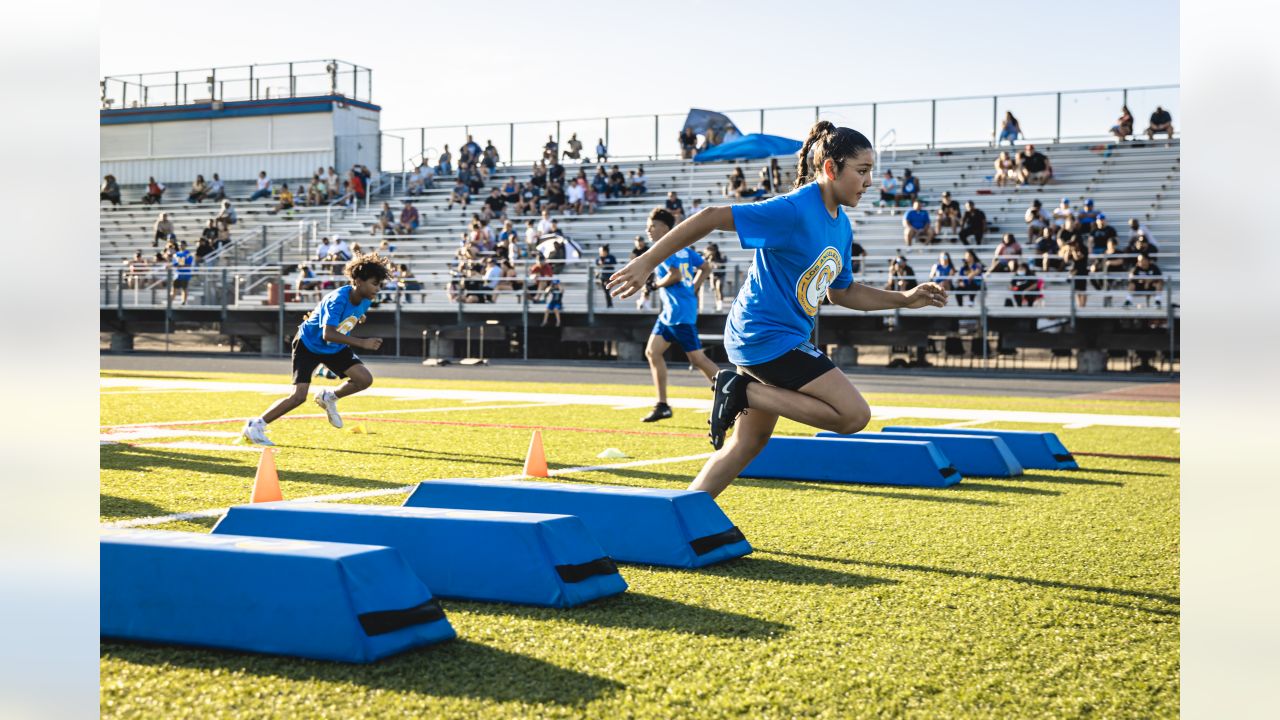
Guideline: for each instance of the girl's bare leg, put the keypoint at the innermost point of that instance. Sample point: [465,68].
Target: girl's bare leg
[751,433]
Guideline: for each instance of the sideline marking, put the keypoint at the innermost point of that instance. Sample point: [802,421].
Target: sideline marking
[312,416]
[215,512]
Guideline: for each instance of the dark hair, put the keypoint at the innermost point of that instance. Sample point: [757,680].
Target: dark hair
[663,216]
[826,141]
[367,267]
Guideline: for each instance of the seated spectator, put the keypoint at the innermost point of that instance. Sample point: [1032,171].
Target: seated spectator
[1047,250]
[307,282]
[551,151]
[136,270]
[943,272]
[323,250]
[540,273]
[915,224]
[1025,285]
[948,213]
[555,172]
[1161,122]
[617,184]
[775,174]
[155,192]
[1124,124]
[409,219]
[510,191]
[492,278]
[163,230]
[697,205]
[765,181]
[334,183]
[284,201]
[316,192]
[688,143]
[575,148]
[888,189]
[444,163]
[1006,252]
[1140,245]
[1146,280]
[1037,220]
[341,251]
[210,232]
[495,206]
[346,198]
[675,206]
[1137,230]
[969,283]
[1009,129]
[857,258]
[1086,217]
[591,198]
[409,283]
[901,276]
[1101,234]
[910,187]
[576,196]
[199,189]
[556,199]
[738,187]
[1033,166]
[110,190]
[264,187]
[973,224]
[203,248]
[426,177]
[460,195]
[602,152]
[1062,212]
[1006,170]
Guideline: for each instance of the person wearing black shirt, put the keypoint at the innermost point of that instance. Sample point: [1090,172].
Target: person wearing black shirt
[972,224]
[617,183]
[555,173]
[1161,122]
[605,263]
[675,206]
[1102,232]
[1145,278]
[948,212]
[1076,257]
[1023,284]
[495,204]
[555,197]
[857,256]
[1033,166]
[688,141]
[910,187]
[1047,250]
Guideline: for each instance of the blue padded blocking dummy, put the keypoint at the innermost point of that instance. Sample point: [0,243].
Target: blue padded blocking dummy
[881,462]
[329,601]
[524,558]
[1034,450]
[983,455]
[676,528]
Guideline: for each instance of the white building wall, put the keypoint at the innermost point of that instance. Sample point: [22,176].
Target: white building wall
[177,173]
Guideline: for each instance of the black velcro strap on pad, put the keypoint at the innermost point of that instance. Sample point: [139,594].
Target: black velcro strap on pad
[1064,458]
[704,545]
[382,622]
[947,471]
[582,571]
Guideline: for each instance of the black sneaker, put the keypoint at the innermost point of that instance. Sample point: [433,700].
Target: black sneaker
[728,400]
[661,411]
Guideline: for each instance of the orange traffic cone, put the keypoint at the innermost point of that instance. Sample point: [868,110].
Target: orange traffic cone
[266,484]
[535,463]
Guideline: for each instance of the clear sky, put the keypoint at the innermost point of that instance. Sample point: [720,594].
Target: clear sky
[437,63]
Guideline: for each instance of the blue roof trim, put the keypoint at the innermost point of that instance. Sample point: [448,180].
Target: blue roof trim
[243,108]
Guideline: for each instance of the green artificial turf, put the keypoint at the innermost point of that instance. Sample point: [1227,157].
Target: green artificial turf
[1051,595]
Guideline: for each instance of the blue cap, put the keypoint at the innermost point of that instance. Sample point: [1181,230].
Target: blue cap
[1089,201]
[555,281]
[1102,216]
[1066,200]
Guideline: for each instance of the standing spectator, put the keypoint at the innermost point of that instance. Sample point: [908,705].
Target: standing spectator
[199,189]
[409,219]
[969,283]
[110,190]
[155,192]
[1161,122]
[217,189]
[163,230]
[1124,124]
[1007,251]
[915,224]
[1033,166]
[675,206]
[888,189]
[575,148]
[1009,129]
[540,275]
[357,183]
[715,262]
[182,261]
[264,187]
[972,224]
[490,157]
[688,143]
[605,264]
[1062,212]
[1145,279]
[444,163]
[1006,170]
[943,272]
[948,213]
[1102,233]
[602,152]
[910,186]
[471,148]
[1037,220]
[555,301]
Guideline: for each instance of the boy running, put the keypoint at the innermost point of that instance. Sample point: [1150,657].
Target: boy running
[324,337]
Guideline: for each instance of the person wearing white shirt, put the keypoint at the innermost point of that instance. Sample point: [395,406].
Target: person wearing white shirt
[340,248]
[264,187]
[577,193]
[323,249]
[544,225]
[1037,220]
[492,276]
[1062,212]
[217,189]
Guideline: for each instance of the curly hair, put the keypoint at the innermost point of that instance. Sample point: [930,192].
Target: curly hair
[371,266]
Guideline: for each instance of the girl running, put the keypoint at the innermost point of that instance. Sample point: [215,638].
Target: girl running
[324,337]
[802,243]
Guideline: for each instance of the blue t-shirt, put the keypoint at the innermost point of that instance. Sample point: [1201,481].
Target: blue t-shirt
[334,309]
[679,303]
[183,260]
[800,251]
[918,219]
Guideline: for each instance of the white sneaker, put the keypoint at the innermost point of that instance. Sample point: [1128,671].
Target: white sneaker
[255,431]
[327,400]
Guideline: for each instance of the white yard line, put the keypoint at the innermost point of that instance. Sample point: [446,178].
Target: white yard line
[881,412]
[216,512]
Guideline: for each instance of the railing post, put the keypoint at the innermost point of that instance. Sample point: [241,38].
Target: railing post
[1072,292]
[875,135]
[292,85]
[1173,340]
[762,121]
[399,293]
[982,309]
[933,124]
[1124,100]
[120,294]
[995,120]
[175,100]
[1057,132]
[816,113]
[168,306]
[606,133]
[557,137]
[511,143]
[591,295]
[252,95]
[524,316]
[280,317]
[222,292]
[655,137]
[422,142]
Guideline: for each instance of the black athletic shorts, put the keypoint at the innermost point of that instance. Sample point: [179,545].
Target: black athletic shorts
[305,361]
[793,369]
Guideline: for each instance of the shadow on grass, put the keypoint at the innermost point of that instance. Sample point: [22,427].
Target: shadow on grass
[934,495]
[967,485]
[1109,471]
[420,454]
[132,457]
[951,572]
[1164,612]
[637,611]
[1064,479]
[758,568]
[117,508]
[459,668]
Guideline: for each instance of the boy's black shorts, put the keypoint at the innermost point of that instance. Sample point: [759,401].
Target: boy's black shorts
[305,361]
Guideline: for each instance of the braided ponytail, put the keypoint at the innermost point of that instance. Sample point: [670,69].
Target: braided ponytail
[826,141]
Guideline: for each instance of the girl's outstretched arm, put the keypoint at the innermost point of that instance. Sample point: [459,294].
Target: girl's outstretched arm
[631,277]
[867,298]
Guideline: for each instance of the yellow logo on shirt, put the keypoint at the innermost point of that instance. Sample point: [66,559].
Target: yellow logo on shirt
[348,325]
[813,284]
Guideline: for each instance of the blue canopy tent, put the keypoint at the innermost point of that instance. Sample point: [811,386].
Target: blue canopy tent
[751,147]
